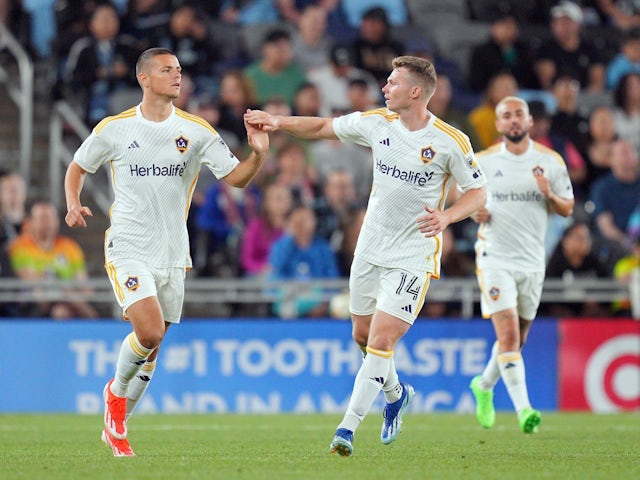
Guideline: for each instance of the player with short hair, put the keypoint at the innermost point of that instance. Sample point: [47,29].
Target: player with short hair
[154,152]
[526,181]
[416,157]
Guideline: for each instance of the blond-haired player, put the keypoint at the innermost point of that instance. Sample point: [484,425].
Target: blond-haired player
[416,156]
[526,181]
[154,152]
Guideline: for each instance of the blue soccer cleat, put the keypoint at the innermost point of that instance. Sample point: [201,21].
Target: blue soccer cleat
[342,443]
[392,423]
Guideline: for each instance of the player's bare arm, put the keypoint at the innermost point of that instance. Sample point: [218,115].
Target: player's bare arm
[302,127]
[559,205]
[73,183]
[482,215]
[246,170]
[435,221]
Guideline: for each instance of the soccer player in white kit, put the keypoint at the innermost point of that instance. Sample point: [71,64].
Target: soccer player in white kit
[416,157]
[526,181]
[154,152]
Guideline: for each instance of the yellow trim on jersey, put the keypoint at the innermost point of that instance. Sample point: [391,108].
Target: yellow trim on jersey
[389,117]
[486,151]
[544,149]
[103,123]
[113,275]
[509,357]
[454,133]
[442,193]
[380,353]
[195,119]
[190,196]
[137,348]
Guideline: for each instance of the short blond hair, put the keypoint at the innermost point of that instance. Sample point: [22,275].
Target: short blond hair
[512,98]
[422,69]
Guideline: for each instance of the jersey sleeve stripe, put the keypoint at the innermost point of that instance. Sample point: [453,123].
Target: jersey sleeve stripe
[544,149]
[462,142]
[126,114]
[389,117]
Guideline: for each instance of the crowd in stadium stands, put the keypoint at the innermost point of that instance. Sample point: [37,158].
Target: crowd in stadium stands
[577,63]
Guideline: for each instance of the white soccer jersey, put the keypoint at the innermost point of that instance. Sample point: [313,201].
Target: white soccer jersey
[154,169]
[410,170]
[513,239]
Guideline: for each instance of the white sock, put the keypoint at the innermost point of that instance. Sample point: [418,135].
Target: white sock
[392,388]
[513,375]
[491,373]
[130,359]
[369,380]
[138,385]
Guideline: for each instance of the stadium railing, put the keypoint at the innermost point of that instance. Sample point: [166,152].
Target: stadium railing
[21,94]
[204,292]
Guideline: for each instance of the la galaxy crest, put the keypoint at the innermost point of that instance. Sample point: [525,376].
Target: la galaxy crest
[427,154]
[538,171]
[182,143]
[494,293]
[132,283]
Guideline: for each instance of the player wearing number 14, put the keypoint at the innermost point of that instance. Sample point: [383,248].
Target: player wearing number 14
[416,158]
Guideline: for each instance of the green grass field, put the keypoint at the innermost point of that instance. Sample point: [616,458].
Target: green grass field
[439,446]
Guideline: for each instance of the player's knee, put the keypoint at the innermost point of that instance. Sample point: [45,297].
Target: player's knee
[150,338]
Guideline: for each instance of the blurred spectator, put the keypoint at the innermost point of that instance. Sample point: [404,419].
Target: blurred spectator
[189,38]
[310,43]
[236,96]
[394,10]
[334,206]
[541,132]
[302,256]
[627,112]
[333,80]
[294,173]
[483,117]
[440,106]
[567,119]
[374,47]
[602,136]
[18,21]
[622,272]
[627,61]
[306,102]
[220,221]
[567,52]
[622,14]
[616,194]
[330,155]
[263,230]
[146,20]
[359,98]
[574,258]
[248,12]
[275,74]
[337,28]
[72,19]
[42,253]
[503,51]
[13,198]
[100,64]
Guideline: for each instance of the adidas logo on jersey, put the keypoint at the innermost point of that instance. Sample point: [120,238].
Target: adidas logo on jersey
[385,142]
[407,308]
[498,174]
[134,144]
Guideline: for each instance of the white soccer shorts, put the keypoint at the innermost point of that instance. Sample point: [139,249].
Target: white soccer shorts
[133,281]
[503,289]
[396,291]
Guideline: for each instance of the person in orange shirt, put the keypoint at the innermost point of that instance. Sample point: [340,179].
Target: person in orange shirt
[42,253]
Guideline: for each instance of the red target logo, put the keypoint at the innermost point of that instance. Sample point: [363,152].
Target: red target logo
[612,375]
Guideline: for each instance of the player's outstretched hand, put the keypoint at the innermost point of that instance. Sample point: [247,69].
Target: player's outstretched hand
[261,120]
[433,222]
[258,138]
[75,216]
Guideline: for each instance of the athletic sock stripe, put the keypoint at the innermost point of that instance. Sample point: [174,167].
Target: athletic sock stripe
[380,353]
[149,366]
[509,357]
[138,349]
